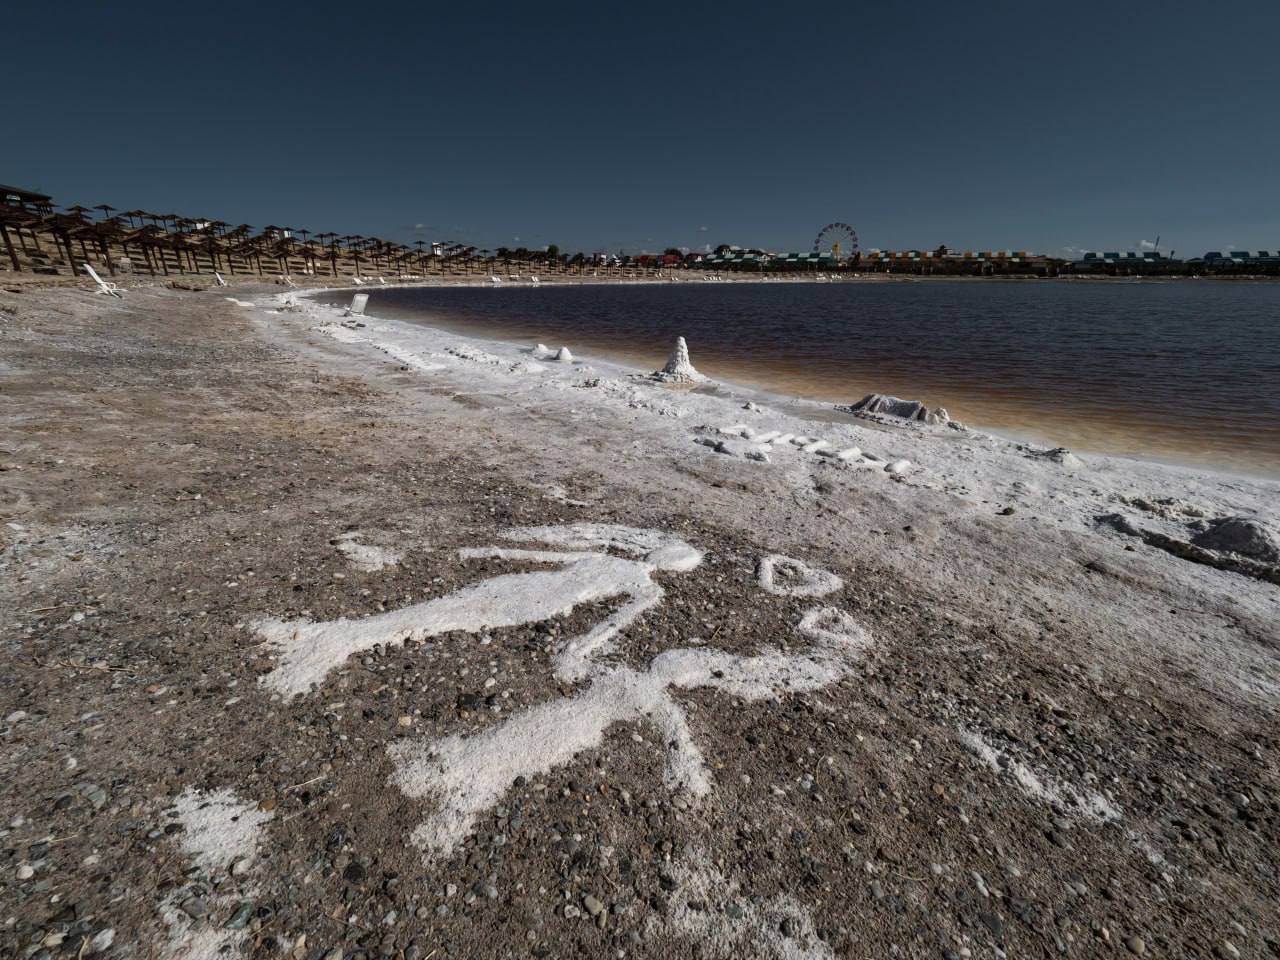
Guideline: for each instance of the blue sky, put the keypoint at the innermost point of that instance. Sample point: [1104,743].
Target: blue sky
[602,126]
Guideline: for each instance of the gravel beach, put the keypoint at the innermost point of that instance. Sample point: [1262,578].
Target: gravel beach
[615,667]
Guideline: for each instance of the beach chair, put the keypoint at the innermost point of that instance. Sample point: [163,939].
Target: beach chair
[358,303]
[110,289]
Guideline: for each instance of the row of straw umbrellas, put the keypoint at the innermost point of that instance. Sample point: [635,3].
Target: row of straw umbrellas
[163,243]
[167,242]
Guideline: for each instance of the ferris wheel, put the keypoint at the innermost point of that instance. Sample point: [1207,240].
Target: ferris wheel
[841,237]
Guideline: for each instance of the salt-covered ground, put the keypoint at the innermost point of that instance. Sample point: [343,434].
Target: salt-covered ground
[340,637]
[943,473]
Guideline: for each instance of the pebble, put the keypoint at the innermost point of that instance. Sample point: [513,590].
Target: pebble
[16,716]
[1228,950]
[102,940]
[195,907]
[240,918]
[240,866]
[25,871]
[571,912]
[594,906]
[1136,945]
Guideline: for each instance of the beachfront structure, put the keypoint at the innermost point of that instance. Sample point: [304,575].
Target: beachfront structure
[38,239]
[944,261]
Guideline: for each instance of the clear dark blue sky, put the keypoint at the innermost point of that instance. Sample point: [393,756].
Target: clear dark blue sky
[644,125]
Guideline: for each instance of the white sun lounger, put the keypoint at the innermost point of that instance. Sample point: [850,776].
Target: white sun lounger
[358,303]
[110,289]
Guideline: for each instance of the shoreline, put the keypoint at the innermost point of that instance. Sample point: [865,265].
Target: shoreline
[408,339]
[1102,436]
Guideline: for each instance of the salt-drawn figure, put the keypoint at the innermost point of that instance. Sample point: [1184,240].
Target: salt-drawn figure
[581,572]
[467,775]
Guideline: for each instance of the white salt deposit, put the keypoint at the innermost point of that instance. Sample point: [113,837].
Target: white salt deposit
[798,579]
[584,574]
[1093,805]
[220,830]
[467,775]
[697,913]
[219,827]
[679,369]
[564,356]
[365,557]
[526,367]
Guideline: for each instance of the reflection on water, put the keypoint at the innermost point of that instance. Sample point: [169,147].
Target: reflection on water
[1184,370]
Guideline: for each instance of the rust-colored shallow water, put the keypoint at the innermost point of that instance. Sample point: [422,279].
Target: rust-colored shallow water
[1186,371]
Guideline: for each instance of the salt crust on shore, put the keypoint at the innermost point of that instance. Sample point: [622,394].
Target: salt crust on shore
[219,829]
[365,557]
[754,928]
[308,651]
[466,775]
[799,579]
[1038,786]
[975,472]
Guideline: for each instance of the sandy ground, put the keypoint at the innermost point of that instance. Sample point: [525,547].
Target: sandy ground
[973,719]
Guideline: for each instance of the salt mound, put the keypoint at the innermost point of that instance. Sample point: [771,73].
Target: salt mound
[894,407]
[679,369]
[564,356]
[1242,535]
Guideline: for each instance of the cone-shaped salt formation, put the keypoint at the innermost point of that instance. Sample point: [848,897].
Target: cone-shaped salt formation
[678,368]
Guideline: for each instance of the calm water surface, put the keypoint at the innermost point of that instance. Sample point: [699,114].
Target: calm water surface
[1186,371]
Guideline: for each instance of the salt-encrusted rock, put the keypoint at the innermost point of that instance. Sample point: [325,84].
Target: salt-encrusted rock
[1063,456]
[895,407]
[897,467]
[1242,535]
[679,369]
